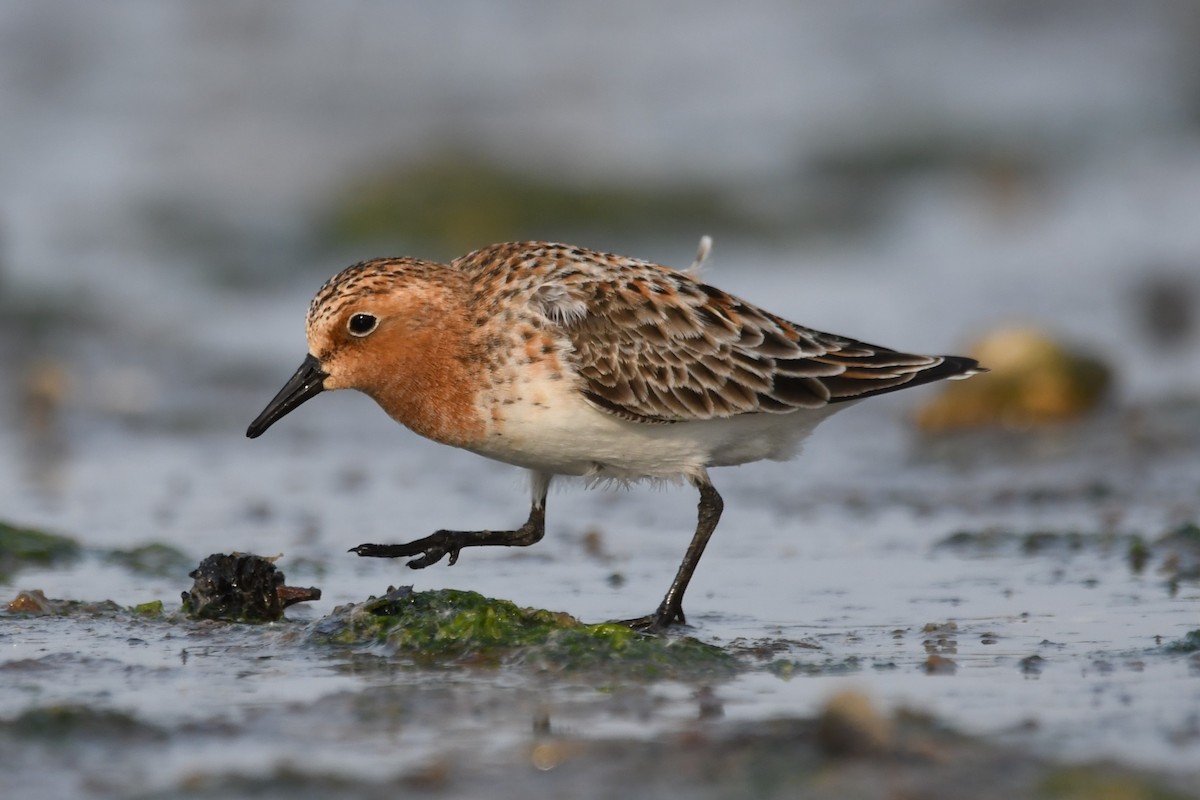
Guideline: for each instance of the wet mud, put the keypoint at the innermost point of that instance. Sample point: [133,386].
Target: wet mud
[988,595]
[523,702]
[451,693]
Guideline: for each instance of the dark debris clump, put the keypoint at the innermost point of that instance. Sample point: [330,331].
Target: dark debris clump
[241,588]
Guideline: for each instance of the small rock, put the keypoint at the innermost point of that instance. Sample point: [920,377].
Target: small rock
[34,603]
[1033,379]
[1032,665]
[940,665]
[1165,304]
[850,725]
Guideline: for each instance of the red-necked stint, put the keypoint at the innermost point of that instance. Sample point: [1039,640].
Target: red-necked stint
[567,361]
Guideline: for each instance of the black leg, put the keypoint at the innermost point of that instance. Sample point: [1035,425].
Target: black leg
[435,546]
[670,610]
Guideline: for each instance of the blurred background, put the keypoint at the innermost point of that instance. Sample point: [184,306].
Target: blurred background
[176,179]
[1017,178]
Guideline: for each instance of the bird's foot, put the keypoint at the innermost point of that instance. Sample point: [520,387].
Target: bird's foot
[436,546]
[658,622]
[431,549]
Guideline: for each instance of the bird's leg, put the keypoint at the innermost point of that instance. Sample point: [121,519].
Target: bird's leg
[670,610]
[435,546]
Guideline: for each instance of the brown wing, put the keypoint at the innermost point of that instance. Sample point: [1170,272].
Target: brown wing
[655,345]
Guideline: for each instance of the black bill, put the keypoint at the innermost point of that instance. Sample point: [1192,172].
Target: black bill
[309,381]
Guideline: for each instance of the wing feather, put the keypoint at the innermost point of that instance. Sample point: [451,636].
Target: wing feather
[655,345]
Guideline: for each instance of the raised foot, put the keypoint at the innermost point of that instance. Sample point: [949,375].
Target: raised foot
[431,549]
[434,547]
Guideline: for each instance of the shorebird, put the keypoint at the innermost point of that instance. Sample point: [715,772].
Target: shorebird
[566,361]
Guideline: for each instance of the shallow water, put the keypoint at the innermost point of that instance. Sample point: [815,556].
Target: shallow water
[841,581]
[160,262]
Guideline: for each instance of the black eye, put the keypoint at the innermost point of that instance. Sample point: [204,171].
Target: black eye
[362,324]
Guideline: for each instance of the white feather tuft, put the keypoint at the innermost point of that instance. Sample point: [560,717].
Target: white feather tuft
[559,305]
[701,255]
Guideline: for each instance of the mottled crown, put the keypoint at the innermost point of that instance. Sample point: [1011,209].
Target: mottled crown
[364,279]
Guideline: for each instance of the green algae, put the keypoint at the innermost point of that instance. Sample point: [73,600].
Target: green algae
[59,722]
[1138,555]
[152,609]
[1176,551]
[449,626]
[988,541]
[1108,782]
[26,547]
[449,203]
[1179,550]
[1187,533]
[786,668]
[155,558]
[1190,643]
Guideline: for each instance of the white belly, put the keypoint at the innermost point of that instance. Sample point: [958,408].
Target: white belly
[560,432]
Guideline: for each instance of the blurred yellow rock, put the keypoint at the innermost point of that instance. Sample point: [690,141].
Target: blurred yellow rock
[46,385]
[1033,380]
[849,725]
[33,603]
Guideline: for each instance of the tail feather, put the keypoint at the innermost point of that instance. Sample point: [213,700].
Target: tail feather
[943,368]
